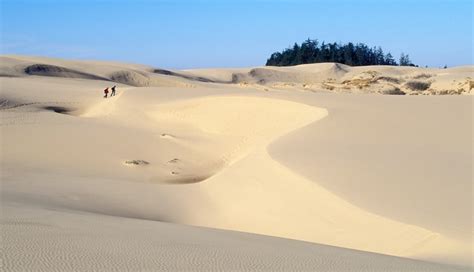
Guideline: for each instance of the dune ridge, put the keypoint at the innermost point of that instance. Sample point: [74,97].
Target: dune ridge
[58,71]
[329,77]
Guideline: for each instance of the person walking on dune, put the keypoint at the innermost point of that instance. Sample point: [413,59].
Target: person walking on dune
[113,90]
[106,92]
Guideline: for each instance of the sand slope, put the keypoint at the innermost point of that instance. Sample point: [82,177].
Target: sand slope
[88,183]
[64,240]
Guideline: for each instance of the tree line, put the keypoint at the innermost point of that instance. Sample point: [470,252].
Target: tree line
[311,51]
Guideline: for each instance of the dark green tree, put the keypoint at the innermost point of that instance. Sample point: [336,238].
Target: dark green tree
[310,51]
[389,60]
[405,60]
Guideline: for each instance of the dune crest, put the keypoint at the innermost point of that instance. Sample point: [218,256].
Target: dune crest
[131,78]
[57,71]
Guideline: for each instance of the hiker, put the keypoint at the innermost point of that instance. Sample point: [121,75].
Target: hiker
[113,91]
[106,92]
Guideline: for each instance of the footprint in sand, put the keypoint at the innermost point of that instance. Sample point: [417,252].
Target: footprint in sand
[136,163]
[175,160]
[167,136]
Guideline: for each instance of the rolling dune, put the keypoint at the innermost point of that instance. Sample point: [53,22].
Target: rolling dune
[183,170]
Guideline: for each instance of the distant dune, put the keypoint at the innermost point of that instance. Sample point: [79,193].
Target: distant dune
[304,168]
[332,77]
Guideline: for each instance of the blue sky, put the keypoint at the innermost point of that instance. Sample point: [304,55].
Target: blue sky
[191,34]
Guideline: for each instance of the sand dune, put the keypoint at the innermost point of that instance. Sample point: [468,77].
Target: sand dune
[305,74]
[330,77]
[334,77]
[132,75]
[190,77]
[143,180]
[132,78]
[57,71]
[107,243]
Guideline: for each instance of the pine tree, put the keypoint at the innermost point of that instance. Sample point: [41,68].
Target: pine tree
[379,57]
[307,48]
[389,60]
[296,55]
[349,54]
[405,60]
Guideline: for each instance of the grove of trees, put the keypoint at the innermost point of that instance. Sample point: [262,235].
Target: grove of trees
[311,51]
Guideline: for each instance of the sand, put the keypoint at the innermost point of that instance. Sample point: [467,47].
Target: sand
[234,169]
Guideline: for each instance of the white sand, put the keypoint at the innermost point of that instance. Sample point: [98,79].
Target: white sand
[88,183]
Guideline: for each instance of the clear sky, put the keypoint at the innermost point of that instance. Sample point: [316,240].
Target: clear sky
[190,34]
